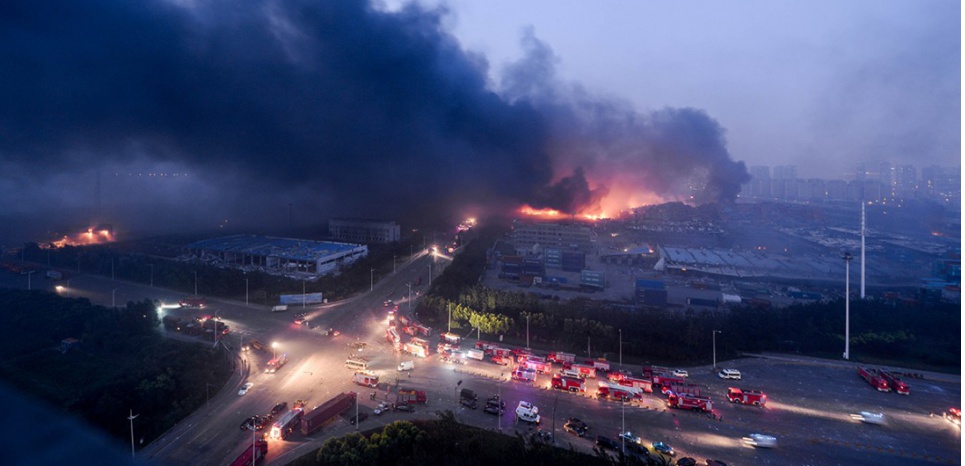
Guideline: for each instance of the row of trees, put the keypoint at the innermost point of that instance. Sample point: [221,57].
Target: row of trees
[880,330]
[447,442]
[121,364]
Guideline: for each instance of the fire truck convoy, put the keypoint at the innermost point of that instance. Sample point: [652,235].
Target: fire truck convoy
[250,455]
[896,384]
[688,401]
[746,397]
[873,377]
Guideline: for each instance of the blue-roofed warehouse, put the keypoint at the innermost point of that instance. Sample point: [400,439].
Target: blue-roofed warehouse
[284,255]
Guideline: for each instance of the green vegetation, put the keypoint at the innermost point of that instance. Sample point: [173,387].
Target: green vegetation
[883,332]
[449,443]
[122,363]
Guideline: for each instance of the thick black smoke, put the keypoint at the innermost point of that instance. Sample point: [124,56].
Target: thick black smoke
[361,111]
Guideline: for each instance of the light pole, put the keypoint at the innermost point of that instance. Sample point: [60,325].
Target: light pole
[714,337]
[246,292]
[623,427]
[131,418]
[621,349]
[430,273]
[113,295]
[303,295]
[152,274]
[527,331]
[393,263]
[195,283]
[847,303]
[409,302]
[499,403]
[371,279]
[449,308]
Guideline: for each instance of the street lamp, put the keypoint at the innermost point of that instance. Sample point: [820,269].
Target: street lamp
[847,303]
[621,348]
[274,346]
[714,337]
[449,308]
[371,279]
[131,418]
[246,292]
[393,263]
[430,273]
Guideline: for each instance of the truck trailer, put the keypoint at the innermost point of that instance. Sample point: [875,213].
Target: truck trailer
[334,407]
[287,424]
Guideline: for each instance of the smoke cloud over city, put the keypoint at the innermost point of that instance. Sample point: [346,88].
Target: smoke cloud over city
[322,109]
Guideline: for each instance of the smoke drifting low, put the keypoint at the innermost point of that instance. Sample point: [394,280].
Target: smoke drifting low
[338,107]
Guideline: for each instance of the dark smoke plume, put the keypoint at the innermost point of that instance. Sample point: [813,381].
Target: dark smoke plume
[347,109]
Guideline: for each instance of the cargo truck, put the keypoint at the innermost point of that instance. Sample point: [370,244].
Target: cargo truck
[317,417]
[285,425]
[475,354]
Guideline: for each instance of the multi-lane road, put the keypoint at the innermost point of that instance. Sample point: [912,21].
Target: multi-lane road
[809,405]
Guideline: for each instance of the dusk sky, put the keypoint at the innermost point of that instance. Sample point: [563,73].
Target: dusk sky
[255,109]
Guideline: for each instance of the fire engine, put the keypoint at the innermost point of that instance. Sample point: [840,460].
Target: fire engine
[687,401]
[617,392]
[747,397]
[366,378]
[873,377]
[573,384]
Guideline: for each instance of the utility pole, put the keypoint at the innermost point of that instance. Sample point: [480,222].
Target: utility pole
[371,279]
[621,349]
[714,335]
[113,295]
[449,308]
[847,303]
[246,292]
[393,263]
[131,418]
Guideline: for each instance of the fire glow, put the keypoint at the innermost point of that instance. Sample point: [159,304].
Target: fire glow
[550,214]
[89,237]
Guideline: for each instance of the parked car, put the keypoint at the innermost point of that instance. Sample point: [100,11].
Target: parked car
[629,437]
[710,462]
[244,388]
[381,408]
[729,374]
[760,440]
[577,428]
[663,448]
[686,461]
[471,404]
[606,443]
[279,407]
[680,373]
[248,424]
[406,408]
[493,409]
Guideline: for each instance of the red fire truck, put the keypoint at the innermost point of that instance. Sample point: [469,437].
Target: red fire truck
[896,384]
[573,384]
[666,381]
[415,349]
[249,456]
[689,388]
[366,378]
[643,384]
[873,377]
[539,365]
[411,397]
[582,370]
[561,358]
[687,401]
[502,360]
[619,392]
[522,374]
[746,397]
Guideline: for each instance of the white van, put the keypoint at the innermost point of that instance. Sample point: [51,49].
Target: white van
[279,308]
[730,374]
[406,366]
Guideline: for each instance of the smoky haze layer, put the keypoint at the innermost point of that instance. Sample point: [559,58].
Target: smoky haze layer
[333,105]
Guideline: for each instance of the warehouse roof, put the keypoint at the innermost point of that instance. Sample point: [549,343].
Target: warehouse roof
[286,248]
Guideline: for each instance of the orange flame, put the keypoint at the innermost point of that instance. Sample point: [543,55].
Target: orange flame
[86,238]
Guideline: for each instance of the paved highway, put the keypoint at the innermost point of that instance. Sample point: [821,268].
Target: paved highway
[808,408]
